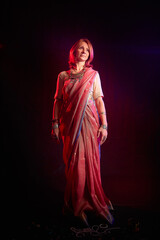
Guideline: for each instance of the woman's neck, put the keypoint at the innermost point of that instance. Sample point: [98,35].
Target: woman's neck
[79,66]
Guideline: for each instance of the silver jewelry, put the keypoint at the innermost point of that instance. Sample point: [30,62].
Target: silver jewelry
[102,113]
[55,126]
[104,126]
[74,77]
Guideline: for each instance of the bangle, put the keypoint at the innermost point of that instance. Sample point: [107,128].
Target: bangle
[104,126]
[55,126]
[102,113]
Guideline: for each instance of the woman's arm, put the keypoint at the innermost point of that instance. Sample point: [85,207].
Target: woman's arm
[55,120]
[102,132]
[57,107]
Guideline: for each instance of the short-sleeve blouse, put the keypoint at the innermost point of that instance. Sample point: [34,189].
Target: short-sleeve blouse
[96,89]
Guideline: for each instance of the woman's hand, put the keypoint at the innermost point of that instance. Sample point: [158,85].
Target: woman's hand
[102,133]
[55,133]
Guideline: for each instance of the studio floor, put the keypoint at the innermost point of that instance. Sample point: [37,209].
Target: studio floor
[41,224]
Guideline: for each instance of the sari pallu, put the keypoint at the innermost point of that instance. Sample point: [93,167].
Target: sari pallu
[79,124]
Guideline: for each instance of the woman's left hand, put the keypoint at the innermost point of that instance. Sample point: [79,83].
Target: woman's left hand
[102,133]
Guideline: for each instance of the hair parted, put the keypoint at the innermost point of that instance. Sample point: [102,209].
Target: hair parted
[72,62]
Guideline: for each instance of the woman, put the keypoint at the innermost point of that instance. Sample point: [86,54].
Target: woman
[77,108]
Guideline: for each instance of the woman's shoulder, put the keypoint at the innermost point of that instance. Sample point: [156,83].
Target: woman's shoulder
[63,74]
[93,70]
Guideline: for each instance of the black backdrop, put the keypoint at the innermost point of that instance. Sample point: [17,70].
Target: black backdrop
[35,42]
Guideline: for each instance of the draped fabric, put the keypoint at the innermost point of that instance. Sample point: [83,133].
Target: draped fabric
[79,124]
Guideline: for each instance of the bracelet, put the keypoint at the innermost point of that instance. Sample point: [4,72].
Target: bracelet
[102,113]
[104,127]
[55,126]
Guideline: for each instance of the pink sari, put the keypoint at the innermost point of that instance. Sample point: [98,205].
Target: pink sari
[79,124]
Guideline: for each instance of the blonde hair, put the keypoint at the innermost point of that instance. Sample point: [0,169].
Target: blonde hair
[72,63]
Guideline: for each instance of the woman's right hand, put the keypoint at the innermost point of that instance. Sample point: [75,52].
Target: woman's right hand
[56,134]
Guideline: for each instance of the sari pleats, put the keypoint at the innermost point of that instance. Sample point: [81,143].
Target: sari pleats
[84,190]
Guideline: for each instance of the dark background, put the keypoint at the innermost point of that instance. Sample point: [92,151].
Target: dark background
[34,46]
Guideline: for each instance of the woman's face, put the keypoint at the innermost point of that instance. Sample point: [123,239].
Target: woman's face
[82,52]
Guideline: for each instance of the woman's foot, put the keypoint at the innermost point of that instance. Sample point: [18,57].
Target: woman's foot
[84,219]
